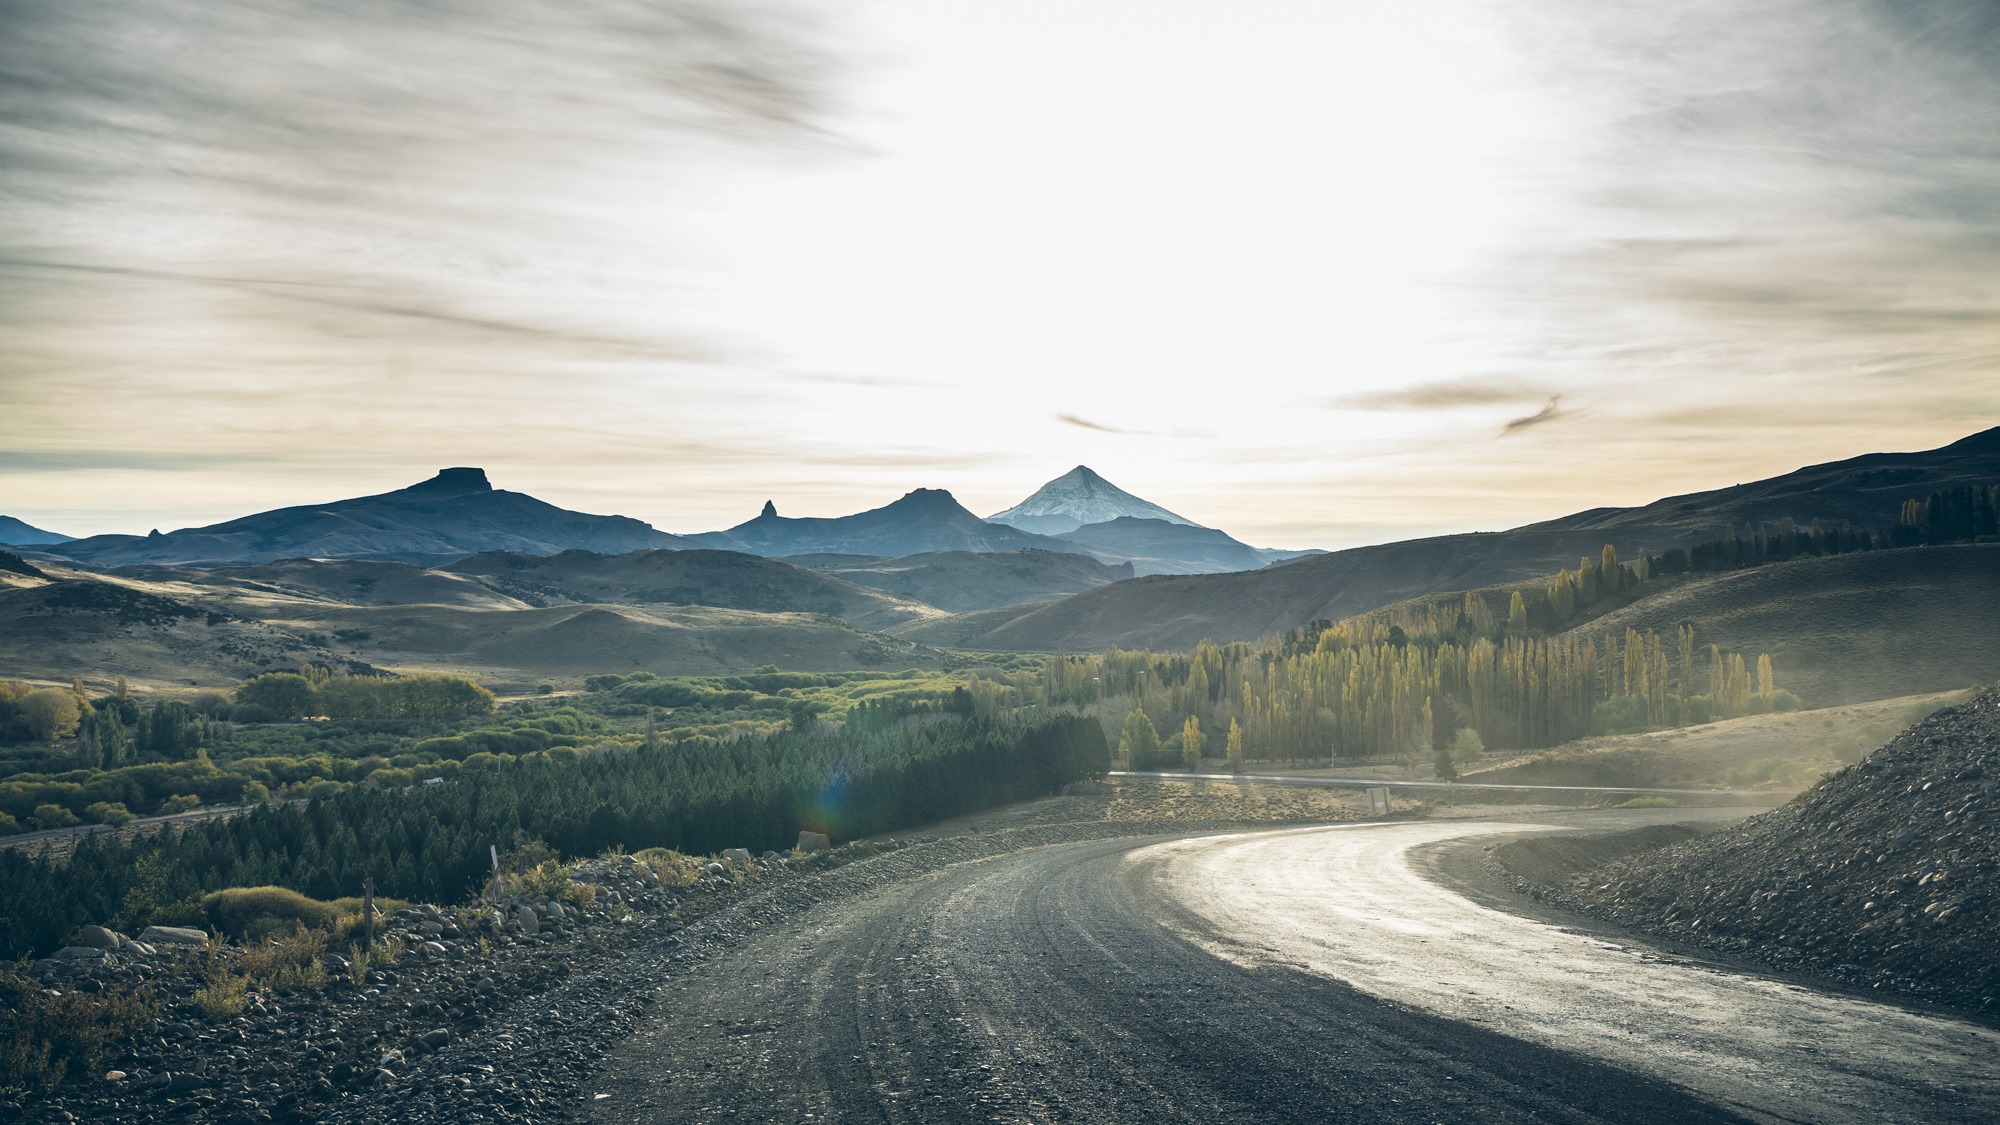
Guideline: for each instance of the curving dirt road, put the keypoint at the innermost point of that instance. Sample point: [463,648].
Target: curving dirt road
[1284,976]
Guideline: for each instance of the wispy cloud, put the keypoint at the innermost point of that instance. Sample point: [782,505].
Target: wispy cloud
[1547,413]
[1449,395]
[1087,424]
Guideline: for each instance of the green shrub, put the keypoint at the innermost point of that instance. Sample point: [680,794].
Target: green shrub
[109,812]
[53,816]
[180,803]
[222,997]
[248,913]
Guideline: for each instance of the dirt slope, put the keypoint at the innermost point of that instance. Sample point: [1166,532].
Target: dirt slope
[1885,874]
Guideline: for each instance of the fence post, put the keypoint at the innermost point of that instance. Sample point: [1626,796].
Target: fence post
[368,912]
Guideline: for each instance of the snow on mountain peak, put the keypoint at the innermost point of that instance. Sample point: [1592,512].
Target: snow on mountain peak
[1076,498]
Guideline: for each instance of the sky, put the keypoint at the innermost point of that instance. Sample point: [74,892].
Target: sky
[1320,275]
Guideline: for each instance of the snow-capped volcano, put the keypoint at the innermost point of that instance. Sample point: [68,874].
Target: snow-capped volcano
[1076,498]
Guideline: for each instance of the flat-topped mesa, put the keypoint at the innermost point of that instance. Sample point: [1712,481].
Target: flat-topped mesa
[454,482]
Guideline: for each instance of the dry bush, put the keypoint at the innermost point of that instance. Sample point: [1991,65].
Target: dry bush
[673,868]
[222,997]
[287,961]
[48,1036]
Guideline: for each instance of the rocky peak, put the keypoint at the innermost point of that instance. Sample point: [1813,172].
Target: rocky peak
[454,482]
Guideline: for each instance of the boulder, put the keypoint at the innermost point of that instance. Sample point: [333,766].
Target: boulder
[97,937]
[738,857]
[173,935]
[78,953]
[813,842]
[527,919]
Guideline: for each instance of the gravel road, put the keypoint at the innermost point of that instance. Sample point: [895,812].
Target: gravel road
[1061,982]
[1347,905]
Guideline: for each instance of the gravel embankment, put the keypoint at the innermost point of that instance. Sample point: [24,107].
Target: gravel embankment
[1882,877]
[485,1022]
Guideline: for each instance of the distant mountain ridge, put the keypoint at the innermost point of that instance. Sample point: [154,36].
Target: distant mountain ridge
[1175,611]
[451,515]
[15,533]
[922,521]
[1077,498]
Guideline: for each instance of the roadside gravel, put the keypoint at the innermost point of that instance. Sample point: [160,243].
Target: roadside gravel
[1883,877]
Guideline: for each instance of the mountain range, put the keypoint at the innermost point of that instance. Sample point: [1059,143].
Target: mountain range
[453,514]
[1904,619]
[1176,611]
[458,513]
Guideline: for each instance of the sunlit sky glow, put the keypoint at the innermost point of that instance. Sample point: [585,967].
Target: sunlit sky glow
[1317,274]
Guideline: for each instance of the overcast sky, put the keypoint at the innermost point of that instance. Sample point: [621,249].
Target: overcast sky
[1319,274]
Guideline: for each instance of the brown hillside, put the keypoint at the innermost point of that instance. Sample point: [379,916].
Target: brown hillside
[341,581]
[1177,611]
[962,581]
[1848,627]
[725,579]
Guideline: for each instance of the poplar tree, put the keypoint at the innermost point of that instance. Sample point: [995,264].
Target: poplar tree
[1140,741]
[1191,744]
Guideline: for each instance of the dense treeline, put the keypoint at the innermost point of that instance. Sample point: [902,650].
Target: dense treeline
[1955,515]
[430,841]
[313,692]
[1380,693]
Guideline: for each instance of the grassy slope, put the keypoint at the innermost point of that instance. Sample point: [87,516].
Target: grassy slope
[1176,612]
[1849,627]
[1787,750]
[162,634]
[725,579]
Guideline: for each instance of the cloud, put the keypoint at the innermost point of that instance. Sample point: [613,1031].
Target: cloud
[1087,424]
[1449,395]
[1548,413]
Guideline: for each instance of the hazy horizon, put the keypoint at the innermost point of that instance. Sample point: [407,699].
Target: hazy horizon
[1317,277]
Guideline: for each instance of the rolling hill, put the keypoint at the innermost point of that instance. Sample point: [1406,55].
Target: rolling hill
[337,581]
[15,533]
[723,579]
[1177,611]
[960,581]
[1867,491]
[214,631]
[453,514]
[1154,546]
[1847,627]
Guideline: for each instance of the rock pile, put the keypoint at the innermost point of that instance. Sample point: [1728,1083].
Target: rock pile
[296,1053]
[1883,876]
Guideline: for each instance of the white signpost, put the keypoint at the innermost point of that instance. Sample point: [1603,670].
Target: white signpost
[1378,800]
